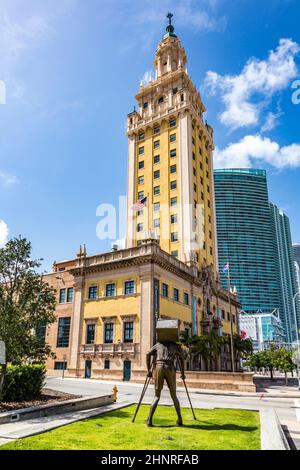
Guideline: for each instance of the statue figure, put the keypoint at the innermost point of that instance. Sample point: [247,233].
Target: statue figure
[164,355]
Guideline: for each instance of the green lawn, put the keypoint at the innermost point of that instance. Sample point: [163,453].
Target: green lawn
[216,429]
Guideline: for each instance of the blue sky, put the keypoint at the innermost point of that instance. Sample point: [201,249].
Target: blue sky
[71,69]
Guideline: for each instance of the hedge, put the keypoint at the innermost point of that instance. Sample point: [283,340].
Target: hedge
[23,382]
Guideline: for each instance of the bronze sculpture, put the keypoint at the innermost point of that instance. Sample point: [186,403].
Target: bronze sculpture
[161,362]
[164,355]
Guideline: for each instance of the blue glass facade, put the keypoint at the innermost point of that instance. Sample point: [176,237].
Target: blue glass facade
[287,274]
[245,237]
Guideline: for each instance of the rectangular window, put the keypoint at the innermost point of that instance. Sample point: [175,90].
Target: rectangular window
[161,100]
[107,364]
[176,294]
[156,223]
[60,366]
[173,121]
[145,105]
[63,332]
[186,298]
[128,332]
[142,136]
[223,314]
[156,206]
[156,159]
[90,334]
[141,150]
[108,333]
[141,179]
[41,333]
[173,138]
[70,295]
[174,219]
[173,184]
[228,316]
[174,237]
[141,165]
[173,201]
[156,174]
[156,130]
[175,91]
[157,144]
[62,296]
[129,287]
[140,195]
[156,190]
[165,290]
[173,153]
[173,169]
[174,253]
[110,290]
[93,292]
[139,227]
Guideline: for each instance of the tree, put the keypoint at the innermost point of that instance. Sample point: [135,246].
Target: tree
[284,361]
[27,303]
[242,347]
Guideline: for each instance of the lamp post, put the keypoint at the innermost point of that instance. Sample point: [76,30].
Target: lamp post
[297,337]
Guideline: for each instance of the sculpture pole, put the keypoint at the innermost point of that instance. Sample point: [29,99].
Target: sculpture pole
[187,392]
[147,381]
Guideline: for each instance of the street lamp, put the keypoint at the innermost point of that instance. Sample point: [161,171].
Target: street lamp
[297,337]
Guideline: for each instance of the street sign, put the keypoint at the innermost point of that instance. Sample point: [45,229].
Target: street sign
[2,353]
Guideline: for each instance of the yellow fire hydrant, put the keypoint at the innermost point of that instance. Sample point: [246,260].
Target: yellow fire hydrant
[115,391]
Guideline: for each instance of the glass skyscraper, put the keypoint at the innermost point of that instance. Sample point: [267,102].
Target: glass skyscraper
[296,250]
[286,266]
[245,237]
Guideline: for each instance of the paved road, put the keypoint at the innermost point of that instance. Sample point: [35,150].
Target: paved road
[287,409]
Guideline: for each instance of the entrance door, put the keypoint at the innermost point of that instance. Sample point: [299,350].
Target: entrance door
[127,371]
[88,369]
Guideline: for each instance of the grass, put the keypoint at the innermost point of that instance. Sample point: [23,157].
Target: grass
[218,429]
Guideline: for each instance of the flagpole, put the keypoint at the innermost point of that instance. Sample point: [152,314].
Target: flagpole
[231,323]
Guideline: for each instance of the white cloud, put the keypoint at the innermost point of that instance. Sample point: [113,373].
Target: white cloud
[3,233]
[271,121]
[7,180]
[258,78]
[253,150]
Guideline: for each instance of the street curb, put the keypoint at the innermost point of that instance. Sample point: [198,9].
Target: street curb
[272,435]
[93,413]
[76,404]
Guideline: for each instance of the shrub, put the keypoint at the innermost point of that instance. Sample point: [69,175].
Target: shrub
[24,382]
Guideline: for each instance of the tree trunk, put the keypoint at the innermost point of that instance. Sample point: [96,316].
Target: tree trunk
[2,379]
[271,372]
[286,378]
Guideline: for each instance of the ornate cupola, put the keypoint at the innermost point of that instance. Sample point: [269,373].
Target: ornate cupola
[170,55]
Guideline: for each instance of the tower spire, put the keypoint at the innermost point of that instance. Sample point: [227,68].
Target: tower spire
[170,28]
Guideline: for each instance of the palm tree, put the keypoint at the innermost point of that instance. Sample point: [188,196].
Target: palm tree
[242,347]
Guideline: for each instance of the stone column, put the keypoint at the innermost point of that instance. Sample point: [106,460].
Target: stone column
[130,229]
[186,185]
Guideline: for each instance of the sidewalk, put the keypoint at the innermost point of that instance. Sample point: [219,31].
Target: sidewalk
[13,431]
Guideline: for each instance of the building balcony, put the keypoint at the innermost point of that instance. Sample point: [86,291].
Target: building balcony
[110,350]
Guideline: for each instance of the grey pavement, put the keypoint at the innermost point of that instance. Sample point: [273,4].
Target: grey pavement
[287,409]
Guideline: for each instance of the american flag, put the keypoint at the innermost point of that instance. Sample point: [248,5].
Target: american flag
[226,268]
[140,204]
